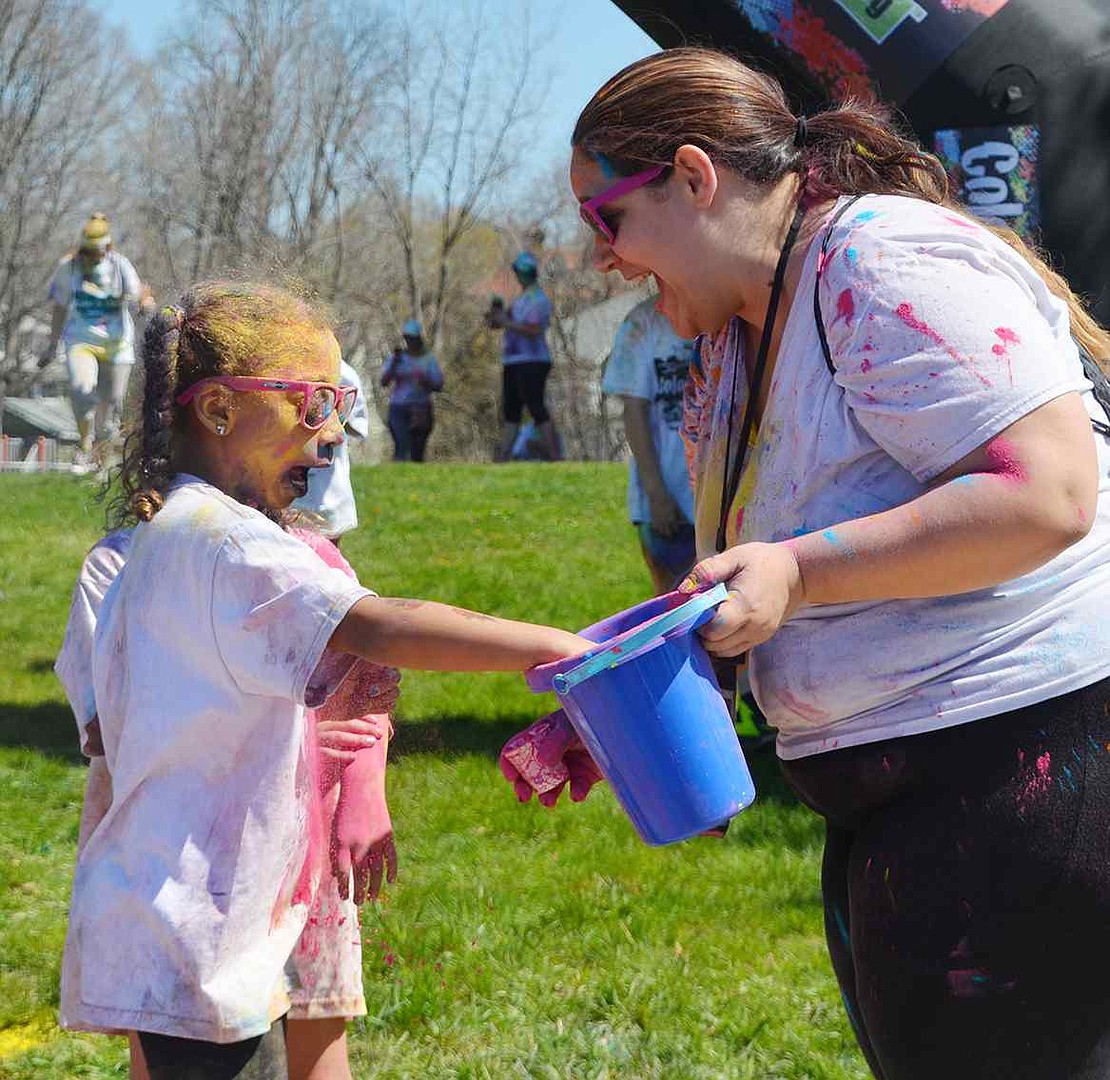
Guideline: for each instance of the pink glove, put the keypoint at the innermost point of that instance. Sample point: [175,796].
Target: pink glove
[362,830]
[543,758]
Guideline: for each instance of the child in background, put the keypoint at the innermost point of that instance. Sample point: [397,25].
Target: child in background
[190,895]
[325,971]
[326,967]
[647,369]
[329,506]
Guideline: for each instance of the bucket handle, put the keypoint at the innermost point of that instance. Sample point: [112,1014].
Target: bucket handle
[693,609]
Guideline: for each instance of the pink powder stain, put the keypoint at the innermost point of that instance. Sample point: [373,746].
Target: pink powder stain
[1038,784]
[845,308]
[865,366]
[1002,348]
[1004,462]
[986,8]
[905,312]
[804,709]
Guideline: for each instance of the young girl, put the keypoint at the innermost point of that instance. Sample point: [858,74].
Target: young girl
[325,970]
[220,629]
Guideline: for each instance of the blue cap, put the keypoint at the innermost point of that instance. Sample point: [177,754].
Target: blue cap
[412,328]
[525,263]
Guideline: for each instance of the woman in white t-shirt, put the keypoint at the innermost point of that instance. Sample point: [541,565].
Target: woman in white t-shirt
[913,517]
[221,628]
[92,292]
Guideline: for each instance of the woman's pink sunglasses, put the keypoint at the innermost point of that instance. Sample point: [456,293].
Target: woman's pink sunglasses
[318,400]
[588,209]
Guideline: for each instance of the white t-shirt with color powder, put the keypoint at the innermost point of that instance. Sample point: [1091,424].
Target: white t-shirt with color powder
[942,336]
[74,663]
[650,361]
[97,300]
[190,894]
[533,307]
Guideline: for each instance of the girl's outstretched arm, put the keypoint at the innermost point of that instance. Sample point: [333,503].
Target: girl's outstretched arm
[427,635]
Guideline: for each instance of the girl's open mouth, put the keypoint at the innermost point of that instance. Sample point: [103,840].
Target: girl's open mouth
[298,480]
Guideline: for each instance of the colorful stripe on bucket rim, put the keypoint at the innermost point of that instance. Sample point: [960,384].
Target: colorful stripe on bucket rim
[563,675]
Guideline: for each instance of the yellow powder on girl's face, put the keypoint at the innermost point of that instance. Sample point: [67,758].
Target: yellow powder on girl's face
[267,449]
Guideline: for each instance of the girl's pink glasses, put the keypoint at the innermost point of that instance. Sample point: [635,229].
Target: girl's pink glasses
[318,400]
[588,209]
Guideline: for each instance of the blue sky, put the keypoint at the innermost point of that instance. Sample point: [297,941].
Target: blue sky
[592,40]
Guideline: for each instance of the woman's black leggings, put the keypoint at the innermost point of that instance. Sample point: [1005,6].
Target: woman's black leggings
[966,884]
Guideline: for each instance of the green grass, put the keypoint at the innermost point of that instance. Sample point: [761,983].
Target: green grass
[517,942]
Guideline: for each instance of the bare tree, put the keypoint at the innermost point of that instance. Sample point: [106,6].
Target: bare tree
[458,109]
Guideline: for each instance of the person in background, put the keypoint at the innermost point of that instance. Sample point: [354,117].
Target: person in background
[92,292]
[647,371]
[415,375]
[525,358]
[329,506]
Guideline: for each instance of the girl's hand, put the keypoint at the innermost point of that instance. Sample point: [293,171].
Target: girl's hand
[765,588]
[553,744]
[362,830]
[341,740]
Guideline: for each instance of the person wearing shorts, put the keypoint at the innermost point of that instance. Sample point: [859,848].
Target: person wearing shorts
[92,290]
[525,359]
[647,371]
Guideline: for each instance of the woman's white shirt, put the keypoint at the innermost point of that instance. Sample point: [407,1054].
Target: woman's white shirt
[941,337]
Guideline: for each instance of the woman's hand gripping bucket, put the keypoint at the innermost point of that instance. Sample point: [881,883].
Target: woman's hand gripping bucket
[646,706]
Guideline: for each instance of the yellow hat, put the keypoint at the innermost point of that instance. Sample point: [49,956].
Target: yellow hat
[95,236]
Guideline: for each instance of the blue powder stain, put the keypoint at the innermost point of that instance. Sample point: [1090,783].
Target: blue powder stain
[851,255]
[606,166]
[841,926]
[832,538]
[865,215]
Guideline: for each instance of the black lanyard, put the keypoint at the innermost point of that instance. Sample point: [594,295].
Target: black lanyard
[734,467]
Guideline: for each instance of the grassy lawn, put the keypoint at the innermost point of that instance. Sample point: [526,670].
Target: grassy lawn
[517,942]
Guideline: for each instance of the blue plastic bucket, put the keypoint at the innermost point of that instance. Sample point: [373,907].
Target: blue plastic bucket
[647,707]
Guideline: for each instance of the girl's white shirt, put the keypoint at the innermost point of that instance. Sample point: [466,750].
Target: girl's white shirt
[188,897]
